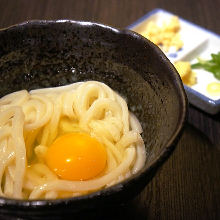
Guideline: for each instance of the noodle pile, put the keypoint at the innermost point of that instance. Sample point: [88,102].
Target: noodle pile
[31,121]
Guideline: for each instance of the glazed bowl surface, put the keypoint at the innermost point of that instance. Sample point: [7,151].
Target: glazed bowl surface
[40,54]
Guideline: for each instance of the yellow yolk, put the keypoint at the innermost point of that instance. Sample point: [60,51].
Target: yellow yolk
[76,156]
[213,88]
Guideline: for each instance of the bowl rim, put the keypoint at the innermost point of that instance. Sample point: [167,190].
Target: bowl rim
[155,163]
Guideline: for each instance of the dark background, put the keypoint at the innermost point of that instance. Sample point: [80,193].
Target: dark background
[188,185]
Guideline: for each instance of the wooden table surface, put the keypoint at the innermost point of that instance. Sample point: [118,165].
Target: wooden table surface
[188,185]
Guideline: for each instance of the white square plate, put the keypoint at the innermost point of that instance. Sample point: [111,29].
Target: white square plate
[197,42]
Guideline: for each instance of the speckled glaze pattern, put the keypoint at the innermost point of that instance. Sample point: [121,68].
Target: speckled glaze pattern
[40,54]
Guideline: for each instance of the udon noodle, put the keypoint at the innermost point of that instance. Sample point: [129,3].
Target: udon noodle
[31,121]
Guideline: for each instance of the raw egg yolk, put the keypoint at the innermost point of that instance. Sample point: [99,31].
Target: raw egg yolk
[213,88]
[76,156]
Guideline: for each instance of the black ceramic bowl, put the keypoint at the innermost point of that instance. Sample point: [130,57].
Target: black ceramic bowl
[39,54]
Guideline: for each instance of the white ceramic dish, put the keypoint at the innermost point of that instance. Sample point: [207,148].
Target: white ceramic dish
[197,42]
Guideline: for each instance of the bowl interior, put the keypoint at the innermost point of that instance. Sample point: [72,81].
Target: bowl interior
[42,54]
